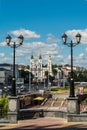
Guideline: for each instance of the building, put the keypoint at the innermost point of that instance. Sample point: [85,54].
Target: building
[37,68]
[6,71]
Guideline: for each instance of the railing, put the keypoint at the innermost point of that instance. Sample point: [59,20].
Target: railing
[28,99]
[25,100]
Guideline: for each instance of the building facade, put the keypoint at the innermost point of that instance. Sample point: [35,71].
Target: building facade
[37,69]
[6,71]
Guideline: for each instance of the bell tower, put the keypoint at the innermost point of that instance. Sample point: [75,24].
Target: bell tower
[49,66]
[32,63]
[40,66]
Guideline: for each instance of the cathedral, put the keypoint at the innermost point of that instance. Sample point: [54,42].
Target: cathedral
[38,70]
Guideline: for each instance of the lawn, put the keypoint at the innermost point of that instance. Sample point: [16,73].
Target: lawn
[65,89]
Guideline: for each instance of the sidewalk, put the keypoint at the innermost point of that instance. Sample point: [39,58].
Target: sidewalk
[46,123]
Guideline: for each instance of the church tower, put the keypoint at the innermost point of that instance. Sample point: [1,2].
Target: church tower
[49,66]
[32,63]
[40,60]
[40,67]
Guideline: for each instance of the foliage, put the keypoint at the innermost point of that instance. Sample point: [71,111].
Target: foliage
[27,67]
[44,65]
[84,101]
[54,72]
[54,89]
[61,88]
[25,75]
[4,105]
[66,65]
[80,76]
[54,66]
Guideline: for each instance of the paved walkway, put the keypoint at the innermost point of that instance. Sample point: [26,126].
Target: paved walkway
[46,123]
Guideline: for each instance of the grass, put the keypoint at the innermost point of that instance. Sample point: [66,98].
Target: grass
[58,90]
[66,89]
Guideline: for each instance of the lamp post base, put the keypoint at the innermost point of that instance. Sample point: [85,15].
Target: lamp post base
[13,109]
[73,106]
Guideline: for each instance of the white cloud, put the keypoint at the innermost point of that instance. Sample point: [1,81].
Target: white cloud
[72,34]
[51,38]
[80,58]
[37,48]
[26,33]
[42,47]
[2,55]
[86,49]
[81,55]
[59,54]
[3,44]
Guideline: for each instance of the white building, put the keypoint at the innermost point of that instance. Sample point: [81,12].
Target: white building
[67,69]
[38,70]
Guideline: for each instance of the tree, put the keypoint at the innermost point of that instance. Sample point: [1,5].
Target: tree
[54,72]
[54,66]
[51,78]
[46,74]
[80,76]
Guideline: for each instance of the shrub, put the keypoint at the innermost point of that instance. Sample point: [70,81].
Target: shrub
[54,89]
[4,105]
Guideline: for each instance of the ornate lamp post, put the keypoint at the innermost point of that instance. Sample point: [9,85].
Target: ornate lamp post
[14,46]
[71,45]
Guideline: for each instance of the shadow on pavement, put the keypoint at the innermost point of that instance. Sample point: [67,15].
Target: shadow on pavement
[53,127]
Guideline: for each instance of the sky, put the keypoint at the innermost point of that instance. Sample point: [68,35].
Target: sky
[42,23]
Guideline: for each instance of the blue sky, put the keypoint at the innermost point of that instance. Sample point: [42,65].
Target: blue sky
[42,23]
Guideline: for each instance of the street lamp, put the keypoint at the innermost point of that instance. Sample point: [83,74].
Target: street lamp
[14,46]
[71,45]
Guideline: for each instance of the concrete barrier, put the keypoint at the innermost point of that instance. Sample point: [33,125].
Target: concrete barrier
[41,112]
[77,117]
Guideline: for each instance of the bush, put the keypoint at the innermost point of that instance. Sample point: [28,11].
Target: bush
[61,88]
[4,105]
[54,89]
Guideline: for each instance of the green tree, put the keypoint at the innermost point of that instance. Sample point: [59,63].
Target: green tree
[80,76]
[4,105]
[54,72]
